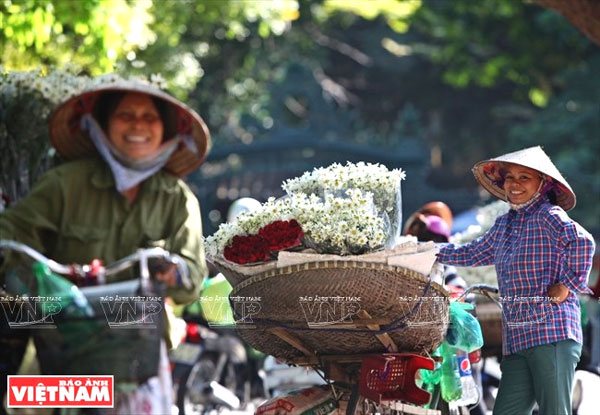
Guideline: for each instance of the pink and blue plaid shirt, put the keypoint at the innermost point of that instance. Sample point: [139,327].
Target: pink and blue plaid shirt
[533,248]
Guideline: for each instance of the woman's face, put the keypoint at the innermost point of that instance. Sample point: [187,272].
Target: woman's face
[135,127]
[520,183]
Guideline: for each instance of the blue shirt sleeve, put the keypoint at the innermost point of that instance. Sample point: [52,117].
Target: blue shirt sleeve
[476,253]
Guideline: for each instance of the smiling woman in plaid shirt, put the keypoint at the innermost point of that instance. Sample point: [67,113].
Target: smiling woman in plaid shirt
[543,259]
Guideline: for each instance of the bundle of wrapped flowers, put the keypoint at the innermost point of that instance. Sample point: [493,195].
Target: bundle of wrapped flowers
[345,220]
[383,184]
[351,209]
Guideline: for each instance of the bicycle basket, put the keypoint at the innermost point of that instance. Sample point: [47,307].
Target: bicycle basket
[391,376]
[112,329]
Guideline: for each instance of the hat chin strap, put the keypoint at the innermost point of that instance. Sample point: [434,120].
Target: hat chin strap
[126,171]
[538,193]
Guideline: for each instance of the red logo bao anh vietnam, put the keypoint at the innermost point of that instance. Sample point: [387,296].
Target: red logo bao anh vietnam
[60,391]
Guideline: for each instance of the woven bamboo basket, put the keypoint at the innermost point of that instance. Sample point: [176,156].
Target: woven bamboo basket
[340,307]
[489,316]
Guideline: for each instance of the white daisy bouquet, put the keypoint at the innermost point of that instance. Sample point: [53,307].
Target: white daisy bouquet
[351,209]
[376,179]
[339,225]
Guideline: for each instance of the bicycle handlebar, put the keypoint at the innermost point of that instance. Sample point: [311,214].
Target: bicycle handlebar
[32,253]
[482,288]
[100,272]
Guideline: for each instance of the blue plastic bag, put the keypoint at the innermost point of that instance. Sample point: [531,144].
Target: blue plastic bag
[464,331]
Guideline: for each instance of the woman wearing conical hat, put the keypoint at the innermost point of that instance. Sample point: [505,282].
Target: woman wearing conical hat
[126,144]
[543,260]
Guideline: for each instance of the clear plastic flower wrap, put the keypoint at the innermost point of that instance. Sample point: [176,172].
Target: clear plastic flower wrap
[243,240]
[345,223]
[383,184]
[344,210]
[342,223]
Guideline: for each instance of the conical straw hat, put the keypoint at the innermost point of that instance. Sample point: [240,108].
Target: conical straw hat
[490,175]
[73,143]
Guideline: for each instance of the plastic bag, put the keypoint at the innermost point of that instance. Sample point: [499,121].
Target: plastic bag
[343,210]
[429,378]
[464,331]
[376,180]
[315,400]
[214,301]
[345,222]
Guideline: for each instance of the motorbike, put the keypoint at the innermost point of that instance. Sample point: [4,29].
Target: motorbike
[213,368]
[209,371]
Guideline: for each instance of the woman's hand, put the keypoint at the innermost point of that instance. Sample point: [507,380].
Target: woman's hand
[558,293]
[168,276]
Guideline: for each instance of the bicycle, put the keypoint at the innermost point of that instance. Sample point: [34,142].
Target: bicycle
[385,383]
[100,327]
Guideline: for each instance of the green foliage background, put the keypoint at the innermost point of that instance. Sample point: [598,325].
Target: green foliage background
[476,78]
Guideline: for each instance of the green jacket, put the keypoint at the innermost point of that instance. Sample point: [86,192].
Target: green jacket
[74,214]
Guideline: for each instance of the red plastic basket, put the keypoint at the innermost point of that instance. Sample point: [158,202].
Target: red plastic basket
[391,377]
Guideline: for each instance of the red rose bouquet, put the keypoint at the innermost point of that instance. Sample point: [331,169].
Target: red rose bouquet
[247,249]
[271,238]
[281,234]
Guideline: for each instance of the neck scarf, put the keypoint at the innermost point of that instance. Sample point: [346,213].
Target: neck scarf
[536,196]
[126,171]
